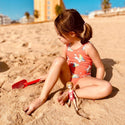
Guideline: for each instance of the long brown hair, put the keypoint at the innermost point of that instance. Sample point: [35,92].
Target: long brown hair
[71,20]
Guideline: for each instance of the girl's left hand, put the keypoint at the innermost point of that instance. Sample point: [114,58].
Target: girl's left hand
[63,97]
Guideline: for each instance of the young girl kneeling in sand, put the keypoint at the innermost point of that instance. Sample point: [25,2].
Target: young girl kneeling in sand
[76,62]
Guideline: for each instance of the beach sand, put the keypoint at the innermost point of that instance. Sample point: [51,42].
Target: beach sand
[27,52]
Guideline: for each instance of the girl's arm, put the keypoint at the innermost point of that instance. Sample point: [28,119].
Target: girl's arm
[64,52]
[94,55]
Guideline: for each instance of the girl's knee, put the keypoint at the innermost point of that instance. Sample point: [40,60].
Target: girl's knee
[59,60]
[107,88]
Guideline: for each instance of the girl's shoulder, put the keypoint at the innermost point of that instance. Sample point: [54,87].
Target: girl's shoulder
[90,48]
[84,47]
[87,47]
[87,44]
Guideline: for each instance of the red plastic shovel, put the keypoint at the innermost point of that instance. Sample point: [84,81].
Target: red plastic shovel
[23,83]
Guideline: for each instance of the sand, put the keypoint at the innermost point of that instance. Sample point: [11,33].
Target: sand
[27,52]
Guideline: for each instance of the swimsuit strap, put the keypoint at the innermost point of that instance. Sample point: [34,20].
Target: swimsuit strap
[83,46]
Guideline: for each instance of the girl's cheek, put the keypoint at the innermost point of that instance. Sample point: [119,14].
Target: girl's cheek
[61,39]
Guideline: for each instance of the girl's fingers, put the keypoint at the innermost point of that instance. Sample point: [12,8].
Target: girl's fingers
[26,109]
[30,110]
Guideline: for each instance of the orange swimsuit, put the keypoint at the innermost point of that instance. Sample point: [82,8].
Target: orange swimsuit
[79,63]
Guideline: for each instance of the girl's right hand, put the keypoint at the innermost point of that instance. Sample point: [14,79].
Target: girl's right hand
[33,106]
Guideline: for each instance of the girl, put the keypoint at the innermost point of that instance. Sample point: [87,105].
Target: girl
[76,62]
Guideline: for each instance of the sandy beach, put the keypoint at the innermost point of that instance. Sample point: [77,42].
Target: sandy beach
[27,52]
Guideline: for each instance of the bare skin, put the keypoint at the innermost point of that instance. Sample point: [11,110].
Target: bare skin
[88,87]
[58,68]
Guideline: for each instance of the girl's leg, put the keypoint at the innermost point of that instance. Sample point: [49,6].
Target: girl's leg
[59,67]
[92,88]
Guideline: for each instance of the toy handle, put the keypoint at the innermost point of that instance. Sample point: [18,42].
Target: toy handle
[32,82]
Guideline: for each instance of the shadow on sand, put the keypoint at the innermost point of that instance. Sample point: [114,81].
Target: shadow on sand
[3,67]
[108,64]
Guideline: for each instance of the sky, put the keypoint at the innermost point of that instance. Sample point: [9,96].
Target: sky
[16,9]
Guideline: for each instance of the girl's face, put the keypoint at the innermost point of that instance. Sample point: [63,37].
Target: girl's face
[64,39]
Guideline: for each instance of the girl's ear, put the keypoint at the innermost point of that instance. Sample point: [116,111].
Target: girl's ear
[72,34]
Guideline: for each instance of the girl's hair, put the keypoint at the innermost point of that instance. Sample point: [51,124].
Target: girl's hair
[71,20]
